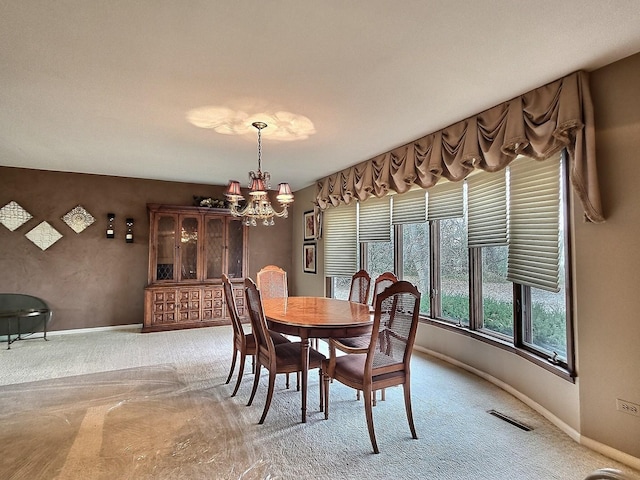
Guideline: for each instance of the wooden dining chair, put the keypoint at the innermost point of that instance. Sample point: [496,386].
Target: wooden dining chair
[272,282]
[276,358]
[359,289]
[385,361]
[243,343]
[381,282]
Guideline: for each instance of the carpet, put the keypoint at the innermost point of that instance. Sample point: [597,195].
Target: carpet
[176,420]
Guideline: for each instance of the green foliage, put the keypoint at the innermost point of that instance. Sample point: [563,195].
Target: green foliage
[548,323]
[549,329]
[498,316]
[456,307]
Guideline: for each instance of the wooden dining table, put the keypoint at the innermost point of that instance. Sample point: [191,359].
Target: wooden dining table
[315,317]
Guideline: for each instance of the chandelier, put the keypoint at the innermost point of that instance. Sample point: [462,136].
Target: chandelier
[258,207]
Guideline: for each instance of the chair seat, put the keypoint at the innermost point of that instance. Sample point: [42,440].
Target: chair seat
[351,369]
[250,341]
[288,357]
[278,338]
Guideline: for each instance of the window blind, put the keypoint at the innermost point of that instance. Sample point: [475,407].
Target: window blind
[375,220]
[340,241]
[410,207]
[487,209]
[445,201]
[534,218]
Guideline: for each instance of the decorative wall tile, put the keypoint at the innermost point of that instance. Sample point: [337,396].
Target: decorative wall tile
[78,219]
[44,235]
[12,215]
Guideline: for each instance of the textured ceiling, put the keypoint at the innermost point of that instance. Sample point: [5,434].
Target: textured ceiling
[105,87]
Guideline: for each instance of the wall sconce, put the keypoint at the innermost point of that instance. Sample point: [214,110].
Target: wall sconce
[129,235]
[110,218]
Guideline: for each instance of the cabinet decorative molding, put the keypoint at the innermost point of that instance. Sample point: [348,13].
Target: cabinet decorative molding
[189,250]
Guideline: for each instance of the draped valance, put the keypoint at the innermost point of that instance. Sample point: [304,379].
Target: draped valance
[537,124]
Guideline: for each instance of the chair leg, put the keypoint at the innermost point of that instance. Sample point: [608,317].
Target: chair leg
[240,373]
[383,397]
[287,382]
[358,395]
[272,382]
[321,392]
[407,407]
[373,398]
[233,364]
[298,381]
[325,380]
[368,408]
[256,380]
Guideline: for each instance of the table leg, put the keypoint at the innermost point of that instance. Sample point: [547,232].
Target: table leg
[305,374]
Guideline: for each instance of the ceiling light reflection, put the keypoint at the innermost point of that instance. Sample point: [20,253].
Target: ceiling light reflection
[282,125]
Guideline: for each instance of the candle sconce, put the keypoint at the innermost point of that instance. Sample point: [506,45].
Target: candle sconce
[110,231]
[129,235]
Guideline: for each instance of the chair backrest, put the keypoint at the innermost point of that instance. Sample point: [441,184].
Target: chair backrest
[259,326]
[272,282]
[359,291]
[229,298]
[395,322]
[381,282]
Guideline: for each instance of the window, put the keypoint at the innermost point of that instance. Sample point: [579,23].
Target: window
[415,264]
[496,293]
[488,255]
[378,258]
[453,288]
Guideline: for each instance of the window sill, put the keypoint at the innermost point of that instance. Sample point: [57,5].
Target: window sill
[503,345]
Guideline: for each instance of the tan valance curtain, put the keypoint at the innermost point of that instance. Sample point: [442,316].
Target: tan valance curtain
[537,125]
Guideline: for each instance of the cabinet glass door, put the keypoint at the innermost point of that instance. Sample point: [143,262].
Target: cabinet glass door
[214,247]
[165,252]
[189,248]
[236,249]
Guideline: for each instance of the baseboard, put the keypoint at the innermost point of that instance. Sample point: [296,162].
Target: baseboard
[610,452]
[606,450]
[132,326]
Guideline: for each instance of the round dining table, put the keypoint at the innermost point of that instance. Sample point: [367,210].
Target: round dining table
[315,317]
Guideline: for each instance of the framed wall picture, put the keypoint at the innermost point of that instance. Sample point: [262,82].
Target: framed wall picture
[309,258]
[309,225]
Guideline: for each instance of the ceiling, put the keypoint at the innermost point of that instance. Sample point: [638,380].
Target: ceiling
[105,87]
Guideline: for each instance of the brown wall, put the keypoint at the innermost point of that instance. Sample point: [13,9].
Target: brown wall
[87,279]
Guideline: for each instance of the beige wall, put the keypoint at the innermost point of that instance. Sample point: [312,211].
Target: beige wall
[302,283]
[607,313]
[608,265]
[87,279]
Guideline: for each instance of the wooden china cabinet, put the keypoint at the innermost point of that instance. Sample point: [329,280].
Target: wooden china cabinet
[189,250]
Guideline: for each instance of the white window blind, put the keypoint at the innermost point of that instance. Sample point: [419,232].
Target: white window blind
[340,241]
[375,220]
[487,209]
[410,207]
[534,217]
[445,201]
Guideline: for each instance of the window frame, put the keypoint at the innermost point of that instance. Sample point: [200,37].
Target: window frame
[521,294]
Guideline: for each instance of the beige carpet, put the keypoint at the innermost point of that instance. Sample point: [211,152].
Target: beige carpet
[124,405]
